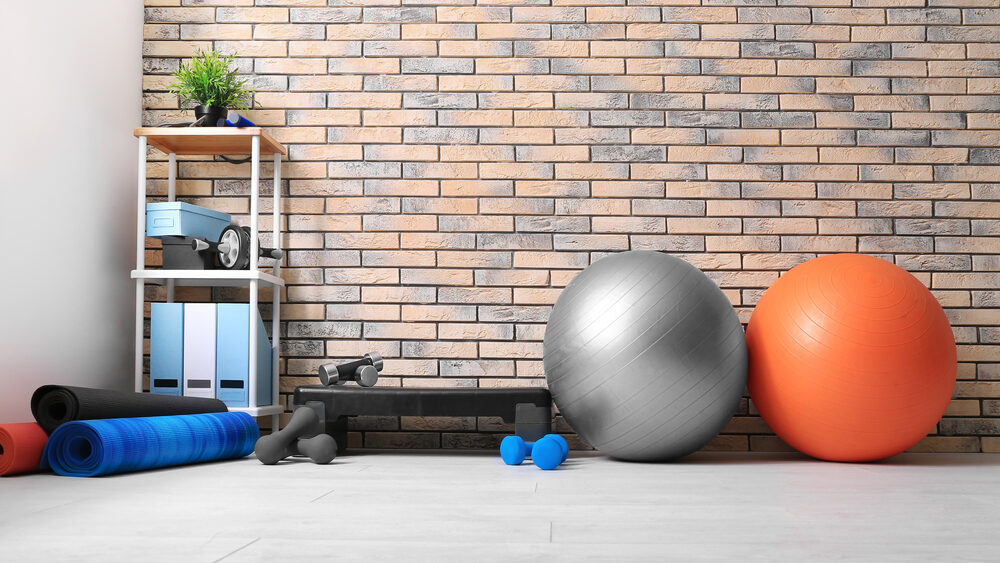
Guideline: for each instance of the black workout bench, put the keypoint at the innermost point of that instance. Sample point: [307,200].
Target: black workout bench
[530,409]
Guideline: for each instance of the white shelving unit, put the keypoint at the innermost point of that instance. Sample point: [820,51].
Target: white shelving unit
[208,141]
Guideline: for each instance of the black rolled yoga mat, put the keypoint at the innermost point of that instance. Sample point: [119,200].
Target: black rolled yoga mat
[53,405]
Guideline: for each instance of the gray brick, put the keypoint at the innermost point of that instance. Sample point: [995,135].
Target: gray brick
[932,262]
[153,65]
[552,224]
[986,191]
[932,226]
[981,15]
[772,119]
[429,65]
[397,83]
[857,51]
[669,207]
[631,153]
[297,329]
[324,15]
[510,241]
[515,314]
[310,348]
[703,119]
[439,100]
[984,156]
[634,118]
[399,15]
[776,50]
[969,426]
[771,15]
[441,135]
[364,170]
[666,101]
[973,33]
[916,16]
[592,136]
[876,138]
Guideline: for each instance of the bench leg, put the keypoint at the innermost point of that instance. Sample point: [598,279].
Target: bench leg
[336,426]
[531,422]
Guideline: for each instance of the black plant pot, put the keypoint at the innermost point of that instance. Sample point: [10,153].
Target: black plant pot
[212,115]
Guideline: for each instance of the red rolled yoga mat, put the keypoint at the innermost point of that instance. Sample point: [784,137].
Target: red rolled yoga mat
[21,446]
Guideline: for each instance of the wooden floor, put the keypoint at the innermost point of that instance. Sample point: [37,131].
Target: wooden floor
[471,507]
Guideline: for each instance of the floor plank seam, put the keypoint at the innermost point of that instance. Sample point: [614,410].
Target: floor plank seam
[322,495]
[237,550]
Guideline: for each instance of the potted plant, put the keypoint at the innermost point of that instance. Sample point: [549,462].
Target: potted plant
[213,84]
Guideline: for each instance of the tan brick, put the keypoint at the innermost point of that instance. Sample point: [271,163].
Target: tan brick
[775,85]
[704,154]
[937,155]
[438,31]
[721,49]
[290,66]
[779,225]
[216,31]
[174,48]
[855,155]
[780,154]
[252,15]
[464,83]
[743,172]
[745,137]
[473,14]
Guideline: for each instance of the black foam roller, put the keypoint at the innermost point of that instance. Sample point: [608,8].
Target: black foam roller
[53,405]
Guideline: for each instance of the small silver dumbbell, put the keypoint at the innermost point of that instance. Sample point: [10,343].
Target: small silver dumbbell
[364,371]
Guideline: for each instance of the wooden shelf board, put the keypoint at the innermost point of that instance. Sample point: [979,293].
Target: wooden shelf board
[209,140]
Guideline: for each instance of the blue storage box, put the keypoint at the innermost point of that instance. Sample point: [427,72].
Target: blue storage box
[178,219]
[232,357]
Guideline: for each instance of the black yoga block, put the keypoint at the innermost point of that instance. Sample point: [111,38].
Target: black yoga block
[178,254]
[530,408]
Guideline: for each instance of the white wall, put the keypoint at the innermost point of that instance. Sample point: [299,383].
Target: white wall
[71,94]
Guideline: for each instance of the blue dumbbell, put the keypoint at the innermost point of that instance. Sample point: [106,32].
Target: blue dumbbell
[547,453]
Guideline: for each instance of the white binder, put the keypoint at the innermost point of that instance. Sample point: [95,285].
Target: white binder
[199,350]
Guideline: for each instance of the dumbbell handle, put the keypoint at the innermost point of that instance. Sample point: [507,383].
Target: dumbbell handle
[222,248]
[332,374]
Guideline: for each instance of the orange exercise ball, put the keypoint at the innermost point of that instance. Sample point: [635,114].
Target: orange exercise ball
[851,358]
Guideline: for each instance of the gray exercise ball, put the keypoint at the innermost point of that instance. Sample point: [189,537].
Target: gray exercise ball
[645,357]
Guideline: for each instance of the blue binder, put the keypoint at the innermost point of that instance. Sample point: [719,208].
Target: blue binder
[166,348]
[233,356]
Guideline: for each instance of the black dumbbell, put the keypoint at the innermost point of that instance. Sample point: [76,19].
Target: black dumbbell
[321,448]
[364,371]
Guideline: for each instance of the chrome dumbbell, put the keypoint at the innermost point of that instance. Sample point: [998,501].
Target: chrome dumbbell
[363,371]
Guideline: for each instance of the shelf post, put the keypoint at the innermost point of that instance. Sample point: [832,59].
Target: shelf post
[140,261]
[171,196]
[254,282]
[276,290]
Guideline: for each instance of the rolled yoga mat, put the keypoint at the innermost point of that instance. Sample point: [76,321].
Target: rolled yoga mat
[53,405]
[21,447]
[86,448]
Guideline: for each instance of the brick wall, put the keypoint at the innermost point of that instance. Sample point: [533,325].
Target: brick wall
[453,165]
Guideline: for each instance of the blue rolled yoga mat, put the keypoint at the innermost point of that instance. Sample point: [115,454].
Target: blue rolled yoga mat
[86,448]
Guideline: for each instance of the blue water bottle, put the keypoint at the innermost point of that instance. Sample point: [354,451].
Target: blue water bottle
[234,119]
